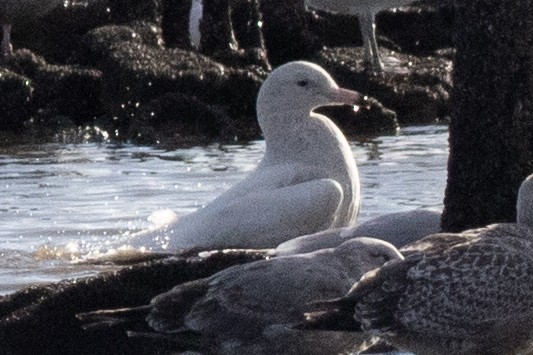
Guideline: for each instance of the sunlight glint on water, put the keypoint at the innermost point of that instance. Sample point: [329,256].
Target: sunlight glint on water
[90,197]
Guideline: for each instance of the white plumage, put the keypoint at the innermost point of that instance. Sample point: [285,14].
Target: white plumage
[306,182]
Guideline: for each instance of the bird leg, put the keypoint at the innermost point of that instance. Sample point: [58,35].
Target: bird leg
[6,47]
[368,31]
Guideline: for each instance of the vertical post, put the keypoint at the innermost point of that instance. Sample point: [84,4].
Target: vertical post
[175,23]
[491,129]
[216,28]
[247,25]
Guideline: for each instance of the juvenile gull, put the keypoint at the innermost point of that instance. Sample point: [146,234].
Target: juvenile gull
[465,293]
[245,309]
[366,11]
[14,11]
[398,228]
[307,180]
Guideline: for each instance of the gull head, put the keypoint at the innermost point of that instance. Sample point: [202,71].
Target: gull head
[362,254]
[300,87]
[524,204]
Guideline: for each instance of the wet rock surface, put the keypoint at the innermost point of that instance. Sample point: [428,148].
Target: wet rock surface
[128,67]
[37,95]
[16,100]
[41,319]
[136,74]
[56,36]
[416,88]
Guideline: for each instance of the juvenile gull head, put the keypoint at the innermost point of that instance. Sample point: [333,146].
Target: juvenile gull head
[464,293]
[307,180]
[246,309]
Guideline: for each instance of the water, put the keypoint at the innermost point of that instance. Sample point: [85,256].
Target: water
[63,202]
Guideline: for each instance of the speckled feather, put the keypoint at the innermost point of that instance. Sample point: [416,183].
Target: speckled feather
[460,292]
[467,293]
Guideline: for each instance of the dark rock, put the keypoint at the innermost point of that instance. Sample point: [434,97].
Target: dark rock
[41,319]
[56,36]
[335,30]
[231,33]
[97,43]
[292,33]
[491,128]
[136,73]
[123,11]
[40,101]
[177,120]
[287,31]
[16,101]
[175,23]
[370,119]
[419,29]
[418,92]
[216,28]
[70,91]
[60,90]
[247,22]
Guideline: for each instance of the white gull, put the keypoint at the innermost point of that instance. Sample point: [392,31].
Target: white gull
[366,11]
[15,11]
[245,309]
[464,293]
[306,182]
[398,228]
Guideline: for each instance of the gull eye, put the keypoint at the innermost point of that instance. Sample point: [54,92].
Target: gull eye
[302,83]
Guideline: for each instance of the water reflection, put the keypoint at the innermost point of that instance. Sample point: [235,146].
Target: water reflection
[91,197]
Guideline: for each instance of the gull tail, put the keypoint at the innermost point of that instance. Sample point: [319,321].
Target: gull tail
[133,322]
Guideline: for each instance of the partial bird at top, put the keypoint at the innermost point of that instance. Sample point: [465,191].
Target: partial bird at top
[14,11]
[306,182]
[366,11]
[465,293]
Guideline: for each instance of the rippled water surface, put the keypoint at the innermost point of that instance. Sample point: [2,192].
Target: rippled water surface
[60,202]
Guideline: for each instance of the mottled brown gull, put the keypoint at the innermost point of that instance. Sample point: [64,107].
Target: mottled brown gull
[245,309]
[14,11]
[307,180]
[366,11]
[465,293]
